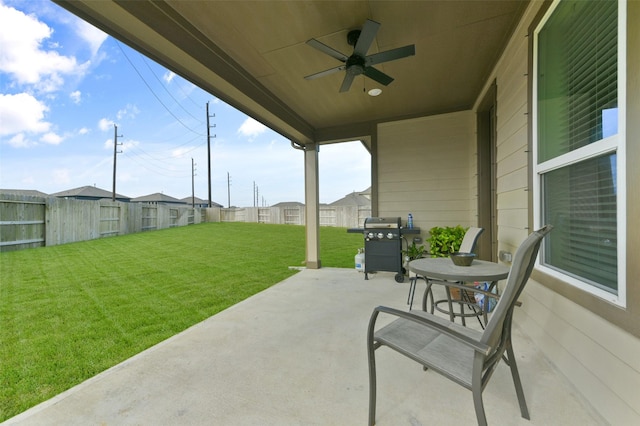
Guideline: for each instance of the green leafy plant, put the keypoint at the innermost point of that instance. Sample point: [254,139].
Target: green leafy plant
[413,252]
[445,240]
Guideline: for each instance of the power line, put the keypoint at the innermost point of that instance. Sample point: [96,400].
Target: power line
[168,156]
[188,96]
[154,94]
[166,151]
[165,172]
[167,90]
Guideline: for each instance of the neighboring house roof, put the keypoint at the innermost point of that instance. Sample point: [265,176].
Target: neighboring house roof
[353,199]
[29,192]
[289,204]
[200,202]
[89,193]
[157,198]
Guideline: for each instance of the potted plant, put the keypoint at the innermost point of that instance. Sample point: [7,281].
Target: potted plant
[413,252]
[445,240]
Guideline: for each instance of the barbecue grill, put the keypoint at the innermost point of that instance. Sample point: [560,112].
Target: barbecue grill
[383,246]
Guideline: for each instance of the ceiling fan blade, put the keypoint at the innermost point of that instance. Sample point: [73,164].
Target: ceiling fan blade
[368,33]
[390,55]
[346,83]
[326,72]
[328,50]
[378,76]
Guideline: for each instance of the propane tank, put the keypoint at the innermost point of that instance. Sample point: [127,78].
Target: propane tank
[360,260]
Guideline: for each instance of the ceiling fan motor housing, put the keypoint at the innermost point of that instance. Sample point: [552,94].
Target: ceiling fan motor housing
[355,65]
[359,63]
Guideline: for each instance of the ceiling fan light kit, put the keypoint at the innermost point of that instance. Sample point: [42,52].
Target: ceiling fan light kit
[359,63]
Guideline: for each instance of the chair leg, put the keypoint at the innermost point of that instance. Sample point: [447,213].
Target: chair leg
[371,348]
[452,318]
[478,404]
[372,391]
[412,290]
[427,292]
[516,381]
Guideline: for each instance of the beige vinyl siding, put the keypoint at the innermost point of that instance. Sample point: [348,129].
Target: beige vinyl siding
[598,358]
[433,181]
[511,152]
[427,166]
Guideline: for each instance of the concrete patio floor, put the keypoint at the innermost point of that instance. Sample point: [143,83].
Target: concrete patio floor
[295,354]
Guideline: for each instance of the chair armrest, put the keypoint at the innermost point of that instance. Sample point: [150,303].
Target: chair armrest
[428,320]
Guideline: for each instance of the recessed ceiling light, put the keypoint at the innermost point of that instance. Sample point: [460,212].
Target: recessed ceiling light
[374,92]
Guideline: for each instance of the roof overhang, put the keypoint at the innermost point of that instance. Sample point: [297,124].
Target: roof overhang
[253,55]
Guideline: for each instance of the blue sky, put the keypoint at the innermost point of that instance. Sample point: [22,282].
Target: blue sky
[63,86]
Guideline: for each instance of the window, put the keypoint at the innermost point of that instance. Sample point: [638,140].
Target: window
[578,130]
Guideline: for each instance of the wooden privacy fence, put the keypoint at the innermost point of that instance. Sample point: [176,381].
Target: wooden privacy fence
[339,216]
[22,222]
[28,221]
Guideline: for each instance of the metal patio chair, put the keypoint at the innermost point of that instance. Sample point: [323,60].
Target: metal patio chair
[465,356]
[468,245]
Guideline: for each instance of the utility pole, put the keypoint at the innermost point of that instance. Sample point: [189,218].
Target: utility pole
[209,150]
[193,174]
[115,153]
[228,191]
[254,193]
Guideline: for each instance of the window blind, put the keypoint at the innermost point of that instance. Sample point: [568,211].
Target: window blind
[577,78]
[577,106]
[580,201]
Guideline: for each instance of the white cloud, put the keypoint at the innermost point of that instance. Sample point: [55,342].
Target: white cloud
[22,113]
[130,111]
[168,76]
[51,138]
[19,141]
[23,56]
[92,35]
[105,124]
[251,128]
[76,96]
[108,144]
[83,131]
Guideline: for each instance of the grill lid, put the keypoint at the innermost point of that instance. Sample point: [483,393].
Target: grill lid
[382,223]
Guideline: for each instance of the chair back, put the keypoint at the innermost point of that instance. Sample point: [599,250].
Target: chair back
[499,325]
[468,244]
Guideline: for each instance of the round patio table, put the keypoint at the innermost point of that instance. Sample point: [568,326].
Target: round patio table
[443,269]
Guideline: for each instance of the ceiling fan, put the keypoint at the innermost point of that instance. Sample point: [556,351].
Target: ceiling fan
[359,63]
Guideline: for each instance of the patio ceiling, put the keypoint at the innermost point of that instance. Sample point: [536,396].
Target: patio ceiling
[253,55]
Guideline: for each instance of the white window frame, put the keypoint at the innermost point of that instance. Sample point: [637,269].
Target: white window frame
[611,144]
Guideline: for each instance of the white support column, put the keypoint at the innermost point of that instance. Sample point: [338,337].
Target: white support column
[312,205]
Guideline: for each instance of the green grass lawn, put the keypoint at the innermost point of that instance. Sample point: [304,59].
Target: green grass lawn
[69,312]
